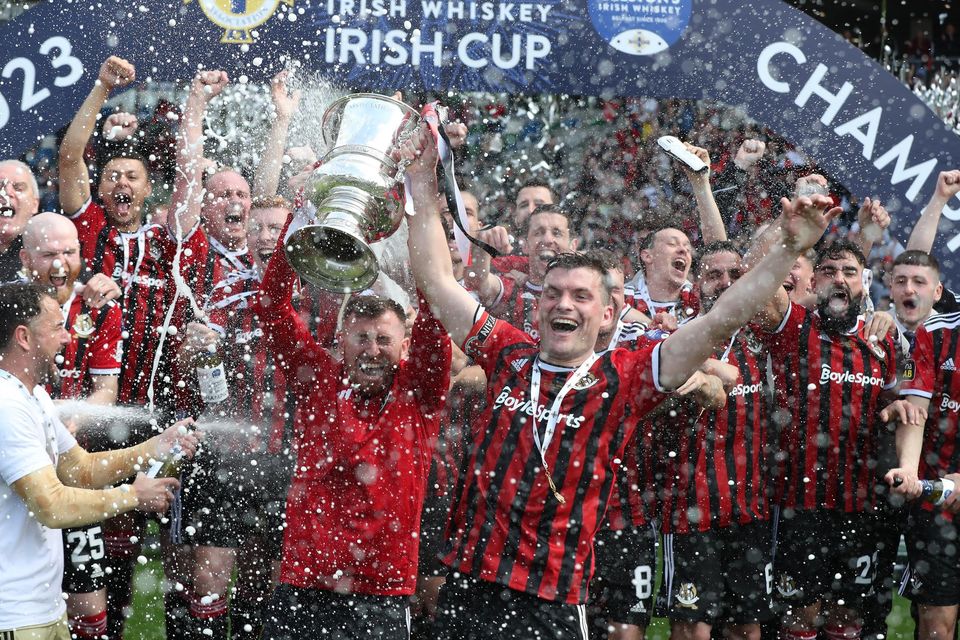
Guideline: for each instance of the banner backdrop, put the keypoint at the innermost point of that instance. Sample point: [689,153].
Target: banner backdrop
[785,69]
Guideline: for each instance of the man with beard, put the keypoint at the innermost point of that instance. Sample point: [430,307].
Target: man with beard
[90,367]
[19,200]
[47,481]
[717,556]
[365,430]
[549,233]
[523,522]
[832,381]
[140,257]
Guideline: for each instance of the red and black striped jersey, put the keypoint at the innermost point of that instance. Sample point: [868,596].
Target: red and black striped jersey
[142,265]
[684,308]
[716,464]
[932,373]
[830,386]
[518,304]
[634,500]
[95,348]
[506,525]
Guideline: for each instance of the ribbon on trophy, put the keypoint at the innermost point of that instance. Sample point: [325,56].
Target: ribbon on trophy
[430,114]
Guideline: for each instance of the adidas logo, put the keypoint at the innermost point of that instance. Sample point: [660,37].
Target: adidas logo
[948,365]
[519,363]
[638,608]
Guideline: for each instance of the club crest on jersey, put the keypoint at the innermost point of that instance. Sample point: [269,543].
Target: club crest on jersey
[787,586]
[687,596]
[587,381]
[83,325]
[877,350]
[472,345]
[909,370]
[155,251]
[239,18]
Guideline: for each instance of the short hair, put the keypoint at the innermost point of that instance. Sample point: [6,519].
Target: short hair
[580,260]
[128,153]
[271,202]
[370,307]
[835,251]
[25,167]
[532,183]
[717,246]
[917,258]
[20,305]
[607,258]
[650,238]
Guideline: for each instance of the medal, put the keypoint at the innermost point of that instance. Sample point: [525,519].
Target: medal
[83,325]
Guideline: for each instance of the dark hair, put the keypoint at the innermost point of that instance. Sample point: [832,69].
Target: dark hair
[371,307]
[532,183]
[20,305]
[717,246]
[835,251]
[605,257]
[647,242]
[556,210]
[917,258]
[581,260]
[129,153]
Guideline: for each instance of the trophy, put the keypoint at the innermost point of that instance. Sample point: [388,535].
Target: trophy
[355,196]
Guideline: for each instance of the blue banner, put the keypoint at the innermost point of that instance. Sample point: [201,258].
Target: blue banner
[783,68]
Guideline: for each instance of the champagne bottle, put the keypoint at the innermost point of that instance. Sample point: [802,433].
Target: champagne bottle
[936,491]
[211,376]
[169,467]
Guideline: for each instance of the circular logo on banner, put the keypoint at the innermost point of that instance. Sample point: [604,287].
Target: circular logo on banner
[640,27]
[239,17]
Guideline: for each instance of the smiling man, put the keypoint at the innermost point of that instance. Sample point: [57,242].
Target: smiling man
[662,287]
[522,525]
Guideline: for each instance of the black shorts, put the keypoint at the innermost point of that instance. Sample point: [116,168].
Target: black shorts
[623,583]
[227,500]
[433,520]
[826,555]
[84,562]
[296,613]
[932,576]
[472,609]
[721,575]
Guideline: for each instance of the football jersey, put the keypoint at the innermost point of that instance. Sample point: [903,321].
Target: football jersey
[932,373]
[830,385]
[353,509]
[506,524]
[95,348]
[716,471]
[142,264]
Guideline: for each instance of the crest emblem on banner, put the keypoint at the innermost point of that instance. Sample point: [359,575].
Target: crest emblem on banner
[239,17]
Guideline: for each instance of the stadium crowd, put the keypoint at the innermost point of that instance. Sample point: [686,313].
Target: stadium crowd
[733,366]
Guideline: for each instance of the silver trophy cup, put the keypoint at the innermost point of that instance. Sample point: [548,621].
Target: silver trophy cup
[355,196]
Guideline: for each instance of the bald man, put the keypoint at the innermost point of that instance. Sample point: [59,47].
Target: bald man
[19,201]
[90,370]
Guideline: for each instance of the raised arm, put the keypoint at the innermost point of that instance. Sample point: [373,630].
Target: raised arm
[74,179]
[188,183]
[429,253]
[925,230]
[803,222]
[873,218]
[266,181]
[711,223]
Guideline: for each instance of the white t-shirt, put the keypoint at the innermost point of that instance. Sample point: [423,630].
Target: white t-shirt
[31,555]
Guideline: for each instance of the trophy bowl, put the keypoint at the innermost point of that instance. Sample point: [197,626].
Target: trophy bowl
[355,196]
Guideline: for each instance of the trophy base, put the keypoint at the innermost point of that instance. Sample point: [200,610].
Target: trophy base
[334,254]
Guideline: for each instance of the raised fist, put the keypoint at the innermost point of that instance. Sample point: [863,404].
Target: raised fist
[116,72]
[457,133]
[948,184]
[872,213]
[208,84]
[805,219]
[119,126]
[703,154]
[498,238]
[749,153]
